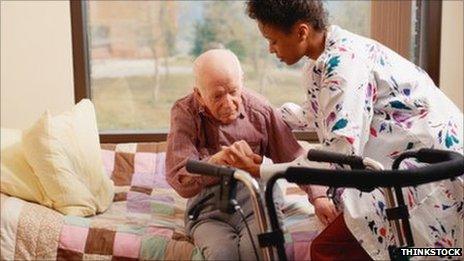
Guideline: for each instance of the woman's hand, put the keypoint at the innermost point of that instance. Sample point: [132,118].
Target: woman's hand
[325,210]
[240,155]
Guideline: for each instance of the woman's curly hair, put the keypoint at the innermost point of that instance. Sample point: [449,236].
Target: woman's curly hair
[285,13]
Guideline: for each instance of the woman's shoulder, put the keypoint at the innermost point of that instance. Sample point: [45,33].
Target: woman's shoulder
[339,35]
[342,46]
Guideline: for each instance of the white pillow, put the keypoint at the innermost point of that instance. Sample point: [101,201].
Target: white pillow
[64,152]
[17,176]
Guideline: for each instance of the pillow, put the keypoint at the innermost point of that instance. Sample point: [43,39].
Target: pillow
[17,177]
[64,152]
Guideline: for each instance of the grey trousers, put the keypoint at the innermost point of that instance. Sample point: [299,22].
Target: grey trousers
[222,236]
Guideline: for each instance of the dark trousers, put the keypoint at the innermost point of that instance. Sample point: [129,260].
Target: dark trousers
[337,243]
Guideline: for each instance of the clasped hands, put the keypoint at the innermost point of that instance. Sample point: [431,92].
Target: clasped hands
[238,155]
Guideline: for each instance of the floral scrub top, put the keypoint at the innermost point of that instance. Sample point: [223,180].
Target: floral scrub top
[362,98]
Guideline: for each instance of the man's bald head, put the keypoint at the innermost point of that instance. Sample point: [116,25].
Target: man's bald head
[218,83]
[216,64]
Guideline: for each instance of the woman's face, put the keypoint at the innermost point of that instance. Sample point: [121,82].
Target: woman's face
[288,47]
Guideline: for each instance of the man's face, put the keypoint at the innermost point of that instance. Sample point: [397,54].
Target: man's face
[288,47]
[221,95]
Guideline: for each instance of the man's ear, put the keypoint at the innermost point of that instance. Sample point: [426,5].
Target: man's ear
[197,94]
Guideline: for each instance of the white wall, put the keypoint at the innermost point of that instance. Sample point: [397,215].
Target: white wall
[36,60]
[452,59]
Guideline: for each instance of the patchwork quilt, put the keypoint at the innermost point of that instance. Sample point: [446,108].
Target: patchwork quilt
[145,221]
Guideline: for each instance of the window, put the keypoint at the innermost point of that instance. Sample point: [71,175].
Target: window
[133,58]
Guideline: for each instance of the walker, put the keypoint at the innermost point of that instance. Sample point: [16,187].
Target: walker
[365,175]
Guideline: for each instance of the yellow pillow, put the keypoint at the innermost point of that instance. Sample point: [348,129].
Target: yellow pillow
[64,152]
[17,177]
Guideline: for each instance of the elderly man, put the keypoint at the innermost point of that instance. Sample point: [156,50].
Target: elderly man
[222,123]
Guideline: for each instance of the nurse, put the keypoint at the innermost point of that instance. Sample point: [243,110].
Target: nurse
[364,99]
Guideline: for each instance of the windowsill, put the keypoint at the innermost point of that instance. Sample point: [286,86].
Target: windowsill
[145,136]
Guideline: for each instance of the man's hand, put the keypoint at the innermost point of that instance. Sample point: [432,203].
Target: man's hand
[325,210]
[240,155]
[220,158]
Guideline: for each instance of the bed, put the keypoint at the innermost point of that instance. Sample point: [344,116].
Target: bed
[144,222]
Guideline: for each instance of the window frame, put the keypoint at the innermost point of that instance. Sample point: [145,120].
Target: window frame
[429,37]
[392,28]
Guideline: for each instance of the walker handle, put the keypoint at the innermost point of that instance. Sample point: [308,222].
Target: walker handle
[355,162]
[367,180]
[434,156]
[207,169]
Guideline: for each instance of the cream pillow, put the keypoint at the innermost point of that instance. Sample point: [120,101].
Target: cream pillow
[17,177]
[64,152]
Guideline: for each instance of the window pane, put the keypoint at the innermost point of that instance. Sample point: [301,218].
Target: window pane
[141,54]
[354,16]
